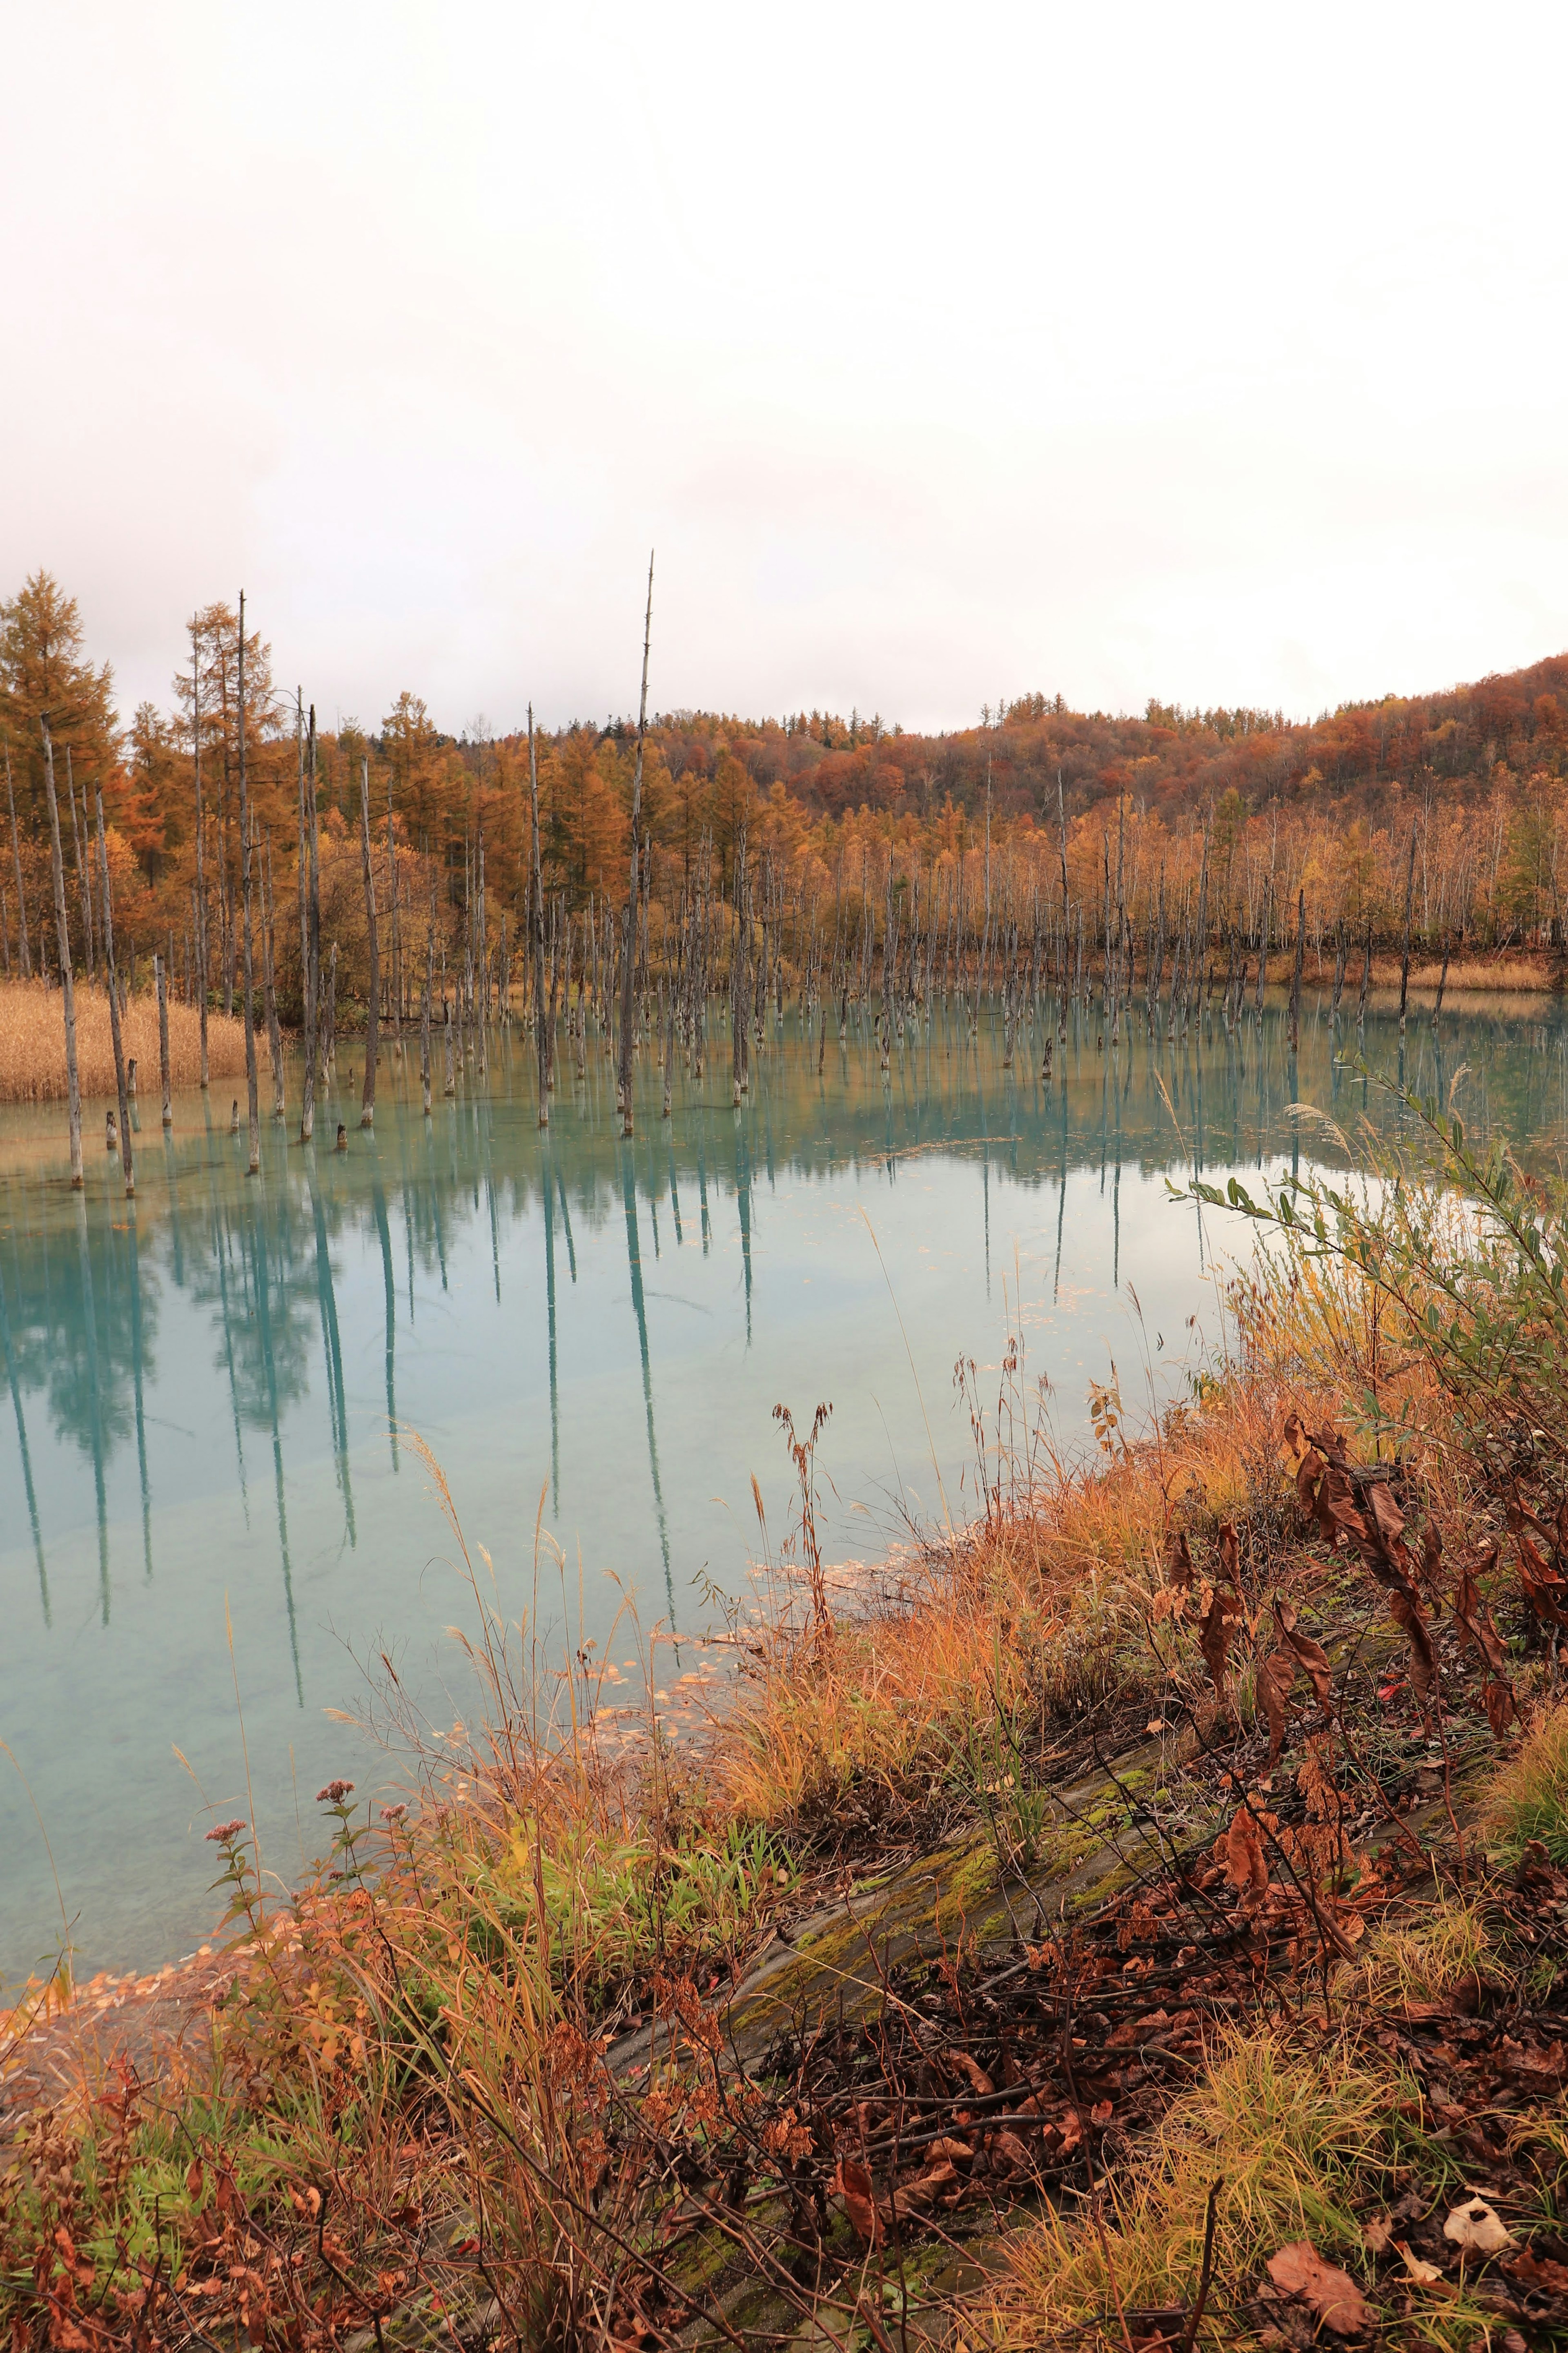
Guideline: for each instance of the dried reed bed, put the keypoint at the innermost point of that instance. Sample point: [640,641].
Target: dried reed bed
[1040,1604]
[33,1043]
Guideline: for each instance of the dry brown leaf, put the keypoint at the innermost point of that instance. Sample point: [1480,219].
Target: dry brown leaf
[1387,1517]
[1432,1557]
[1407,1612]
[1310,1655]
[1223,1615]
[1544,1590]
[1475,1626]
[1477,2229]
[1378,2233]
[1006,2147]
[1540,2272]
[979,2081]
[1179,1561]
[1241,1852]
[1425,2275]
[852,2184]
[1230,1553]
[1274,1677]
[1500,1705]
[1333,2296]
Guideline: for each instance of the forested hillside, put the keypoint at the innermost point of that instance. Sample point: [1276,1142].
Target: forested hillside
[1454,797]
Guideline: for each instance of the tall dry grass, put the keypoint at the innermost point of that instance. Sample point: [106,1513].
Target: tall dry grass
[33,1043]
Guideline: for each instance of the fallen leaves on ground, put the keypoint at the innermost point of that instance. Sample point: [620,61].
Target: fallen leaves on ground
[1300,2269]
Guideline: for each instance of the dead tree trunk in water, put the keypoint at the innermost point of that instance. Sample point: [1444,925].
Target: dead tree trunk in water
[121,1087]
[1296,969]
[536,932]
[628,964]
[252,1096]
[1405,950]
[738,973]
[62,929]
[372,1033]
[425,1000]
[310,930]
[274,1034]
[161,982]
[201,852]
[396,976]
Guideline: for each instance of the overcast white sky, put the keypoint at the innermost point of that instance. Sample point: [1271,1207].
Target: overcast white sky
[1212,352]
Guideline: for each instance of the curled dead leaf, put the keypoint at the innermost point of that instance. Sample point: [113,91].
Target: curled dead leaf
[980,2082]
[1308,1655]
[1407,1612]
[1425,2275]
[1333,2296]
[852,2183]
[1222,1617]
[1240,1849]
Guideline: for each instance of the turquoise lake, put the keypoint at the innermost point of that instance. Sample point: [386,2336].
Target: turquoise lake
[201,1484]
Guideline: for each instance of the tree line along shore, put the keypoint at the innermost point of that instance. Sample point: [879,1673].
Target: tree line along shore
[1179,852]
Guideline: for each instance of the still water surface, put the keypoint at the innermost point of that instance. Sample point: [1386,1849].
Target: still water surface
[591,1337]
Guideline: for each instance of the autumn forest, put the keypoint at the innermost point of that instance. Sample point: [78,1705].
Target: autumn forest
[1449,805]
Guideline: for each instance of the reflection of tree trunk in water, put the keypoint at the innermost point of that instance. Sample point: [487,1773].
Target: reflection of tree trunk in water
[269,1365]
[1061,1202]
[140,1421]
[485,1131]
[639,1308]
[96,1423]
[27,1458]
[172,1168]
[675,1201]
[1116,1204]
[566,1221]
[550,1318]
[378,1200]
[743,1204]
[703,1195]
[220,1257]
[333,1346]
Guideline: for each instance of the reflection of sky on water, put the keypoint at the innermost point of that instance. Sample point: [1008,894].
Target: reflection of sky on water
[590,1335]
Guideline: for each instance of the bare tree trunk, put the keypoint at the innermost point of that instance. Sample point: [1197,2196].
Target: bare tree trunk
[274,1035]
[252,1092]
[17,861]
[1296,969]
[424,1001]
[1405,948]
[201,846]
[629,959]
[738,975]
[371,1026]
[73,1088]
[536,932]
[161,982]
[396,987]
[1442,981]
[1339,968]
[330,1035]
[120,1085]
[84,869]
[310,931]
